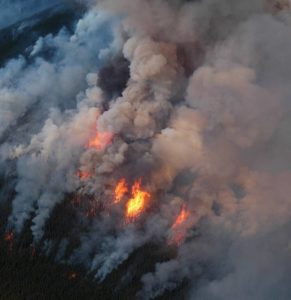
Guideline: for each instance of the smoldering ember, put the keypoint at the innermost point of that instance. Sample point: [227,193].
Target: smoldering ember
[145,149]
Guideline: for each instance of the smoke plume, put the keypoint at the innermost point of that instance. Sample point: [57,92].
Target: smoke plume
[162,123]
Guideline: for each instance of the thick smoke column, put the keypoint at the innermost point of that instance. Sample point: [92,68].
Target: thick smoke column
[177,109]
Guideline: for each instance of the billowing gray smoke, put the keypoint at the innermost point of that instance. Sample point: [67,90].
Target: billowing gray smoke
[189,97]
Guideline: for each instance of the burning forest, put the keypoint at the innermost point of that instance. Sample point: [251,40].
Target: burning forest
[145,149]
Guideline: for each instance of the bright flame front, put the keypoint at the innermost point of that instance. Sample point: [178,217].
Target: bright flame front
[120,190]
[181,218]
[100,140]
[180,227]
[137,203]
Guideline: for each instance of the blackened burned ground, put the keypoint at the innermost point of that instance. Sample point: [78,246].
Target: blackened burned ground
[27,273]
[27,276]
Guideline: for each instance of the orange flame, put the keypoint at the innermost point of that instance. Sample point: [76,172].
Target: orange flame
[9,237]
[136,204]
[183,215]
[120,190]
[100,140]
[83,175]
[72,275]
[180,227]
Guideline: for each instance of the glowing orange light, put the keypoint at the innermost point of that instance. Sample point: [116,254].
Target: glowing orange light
[100,140]
[9,237]
[180,227]
[83,175]
[72,275]
[136,204]
[120,190]
[183,215]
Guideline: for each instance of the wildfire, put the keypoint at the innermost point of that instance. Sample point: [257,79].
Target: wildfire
[180,227]
[100,140]
[72,275]
[183,215]
[9,237]
[83,175]
[136,204]
[120,190]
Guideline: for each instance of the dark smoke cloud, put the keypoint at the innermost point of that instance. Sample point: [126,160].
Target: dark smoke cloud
[113,77]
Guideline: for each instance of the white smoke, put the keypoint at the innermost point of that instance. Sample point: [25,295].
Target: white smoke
[42,90]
